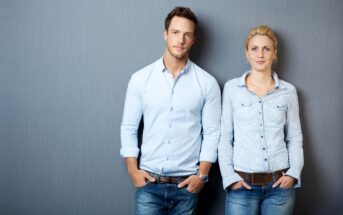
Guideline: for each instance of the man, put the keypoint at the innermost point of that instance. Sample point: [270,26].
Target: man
[181,107]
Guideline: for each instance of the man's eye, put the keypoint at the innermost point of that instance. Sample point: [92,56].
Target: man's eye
[189,36]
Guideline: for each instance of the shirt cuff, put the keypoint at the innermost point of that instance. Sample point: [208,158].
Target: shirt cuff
[129,152]
[230,179]
[295,174]
[210,157]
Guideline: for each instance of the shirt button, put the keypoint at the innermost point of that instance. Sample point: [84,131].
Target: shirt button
[262,137]
[170,125]
[259,101]
[264,148]
[171,109]
[260,112]
[264,159]
[261,124]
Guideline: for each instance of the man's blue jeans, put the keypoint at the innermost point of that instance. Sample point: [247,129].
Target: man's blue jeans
[165,198]
[263,200]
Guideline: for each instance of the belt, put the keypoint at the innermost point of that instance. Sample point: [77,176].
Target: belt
[168,179]
[260,178]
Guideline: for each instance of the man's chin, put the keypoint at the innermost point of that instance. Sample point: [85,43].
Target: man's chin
[180,56]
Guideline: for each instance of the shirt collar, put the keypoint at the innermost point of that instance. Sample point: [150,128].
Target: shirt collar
[161,67]
[278,83]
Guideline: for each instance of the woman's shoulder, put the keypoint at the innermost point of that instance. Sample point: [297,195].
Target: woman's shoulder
[286,85]
[235,82]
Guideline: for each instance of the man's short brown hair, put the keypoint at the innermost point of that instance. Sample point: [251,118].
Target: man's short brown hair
[184,12]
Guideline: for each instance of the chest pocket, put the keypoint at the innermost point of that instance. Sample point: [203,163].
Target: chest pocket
[244,111]
[275,114]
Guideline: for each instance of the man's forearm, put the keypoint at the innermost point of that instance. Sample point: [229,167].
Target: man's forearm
[205,167]
[131,163]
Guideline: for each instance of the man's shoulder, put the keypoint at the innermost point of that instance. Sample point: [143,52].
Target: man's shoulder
[203,74]
[145,70]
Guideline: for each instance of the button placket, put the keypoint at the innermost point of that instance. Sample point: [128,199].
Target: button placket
[170,123]
[262,134]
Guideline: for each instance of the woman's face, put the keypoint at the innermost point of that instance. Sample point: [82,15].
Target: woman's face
[260,53]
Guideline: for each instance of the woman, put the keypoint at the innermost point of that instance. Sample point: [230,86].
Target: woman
[260,149]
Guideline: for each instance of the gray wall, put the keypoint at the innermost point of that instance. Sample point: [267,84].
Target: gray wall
[64,68]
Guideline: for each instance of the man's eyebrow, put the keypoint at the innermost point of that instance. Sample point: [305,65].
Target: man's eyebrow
[187,32]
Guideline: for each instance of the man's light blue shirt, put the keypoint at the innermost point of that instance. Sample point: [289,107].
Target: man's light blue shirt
[181,119]
[259,134]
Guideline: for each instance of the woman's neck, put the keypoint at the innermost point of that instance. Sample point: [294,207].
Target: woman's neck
[260,83]
[261,77]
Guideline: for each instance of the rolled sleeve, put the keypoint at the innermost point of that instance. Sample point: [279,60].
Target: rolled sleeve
[129,152]
[211,113]
[230,179]
[294,139]
[225,147]
[131,118]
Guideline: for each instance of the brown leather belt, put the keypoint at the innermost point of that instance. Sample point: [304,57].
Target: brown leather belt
[260,178]
[168,179]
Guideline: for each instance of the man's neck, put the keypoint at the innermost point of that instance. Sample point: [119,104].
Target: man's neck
[173,64]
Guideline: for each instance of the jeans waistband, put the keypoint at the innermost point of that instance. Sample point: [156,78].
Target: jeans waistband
[167,179]
[261,178]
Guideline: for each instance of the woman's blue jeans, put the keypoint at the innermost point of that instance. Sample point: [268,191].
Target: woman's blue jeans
[263,200]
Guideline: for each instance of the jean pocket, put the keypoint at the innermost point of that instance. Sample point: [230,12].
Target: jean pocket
[186,191]
[238,189]
[282,188]
[147,182]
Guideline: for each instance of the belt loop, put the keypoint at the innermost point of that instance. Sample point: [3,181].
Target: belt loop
[156,177]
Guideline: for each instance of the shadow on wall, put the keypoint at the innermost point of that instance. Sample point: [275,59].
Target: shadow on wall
[212,196]
[310,174]
[197,53]
[310,186]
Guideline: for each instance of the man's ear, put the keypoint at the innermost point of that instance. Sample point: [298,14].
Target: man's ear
[165,35]
[195,39]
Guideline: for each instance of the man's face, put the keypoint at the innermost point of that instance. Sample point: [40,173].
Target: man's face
[179,37]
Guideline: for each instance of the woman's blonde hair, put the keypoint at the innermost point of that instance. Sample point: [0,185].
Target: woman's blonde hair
[263,30]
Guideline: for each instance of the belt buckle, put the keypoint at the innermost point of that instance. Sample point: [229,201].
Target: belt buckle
[259,179]
[168,179]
